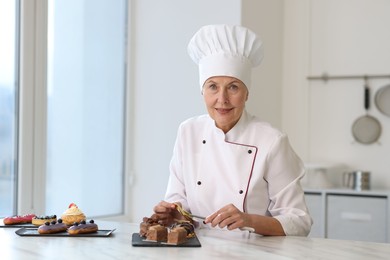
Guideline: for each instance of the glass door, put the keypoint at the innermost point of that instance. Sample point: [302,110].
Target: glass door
[86,106]
[9,14]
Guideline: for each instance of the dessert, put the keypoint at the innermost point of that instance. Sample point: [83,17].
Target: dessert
[188,227]
[177,235]
[52,227]
[18,219]
[72,215]
[83,228]
[40,220]
[147,223]
[157,233]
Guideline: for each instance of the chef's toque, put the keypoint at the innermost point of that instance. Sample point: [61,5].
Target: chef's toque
[224,50]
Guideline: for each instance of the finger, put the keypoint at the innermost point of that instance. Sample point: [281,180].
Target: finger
[223,220]
[218,220]
[210,218]
[162,207]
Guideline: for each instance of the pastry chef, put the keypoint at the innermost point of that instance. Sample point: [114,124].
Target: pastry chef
[228,165]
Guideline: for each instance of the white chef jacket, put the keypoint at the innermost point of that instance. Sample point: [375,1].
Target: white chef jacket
[252,166]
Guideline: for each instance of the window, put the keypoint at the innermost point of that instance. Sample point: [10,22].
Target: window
[85,105]
[70,123]
[8,105]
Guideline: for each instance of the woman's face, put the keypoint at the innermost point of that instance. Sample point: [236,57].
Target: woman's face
[225,99]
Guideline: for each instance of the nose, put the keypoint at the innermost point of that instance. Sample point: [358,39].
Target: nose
[223,97]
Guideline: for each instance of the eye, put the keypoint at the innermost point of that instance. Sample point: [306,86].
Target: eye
[212,88]
[233,87]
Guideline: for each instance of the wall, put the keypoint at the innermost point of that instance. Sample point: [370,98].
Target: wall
[347,37]
[166,89]
[266,19]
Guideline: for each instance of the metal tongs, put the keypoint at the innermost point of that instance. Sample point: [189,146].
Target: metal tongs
[190,216]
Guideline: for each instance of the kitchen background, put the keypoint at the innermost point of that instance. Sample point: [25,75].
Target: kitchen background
[341,38]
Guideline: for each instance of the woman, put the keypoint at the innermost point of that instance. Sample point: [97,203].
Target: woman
[228,165]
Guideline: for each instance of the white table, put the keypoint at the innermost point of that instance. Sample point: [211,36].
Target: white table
[215,244]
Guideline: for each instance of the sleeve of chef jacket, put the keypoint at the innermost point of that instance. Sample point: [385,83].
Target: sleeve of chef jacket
[284,170]
[176,188]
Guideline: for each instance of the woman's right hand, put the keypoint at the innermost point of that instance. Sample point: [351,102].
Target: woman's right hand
[167,212]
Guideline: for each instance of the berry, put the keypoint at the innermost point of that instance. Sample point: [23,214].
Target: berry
[72,205]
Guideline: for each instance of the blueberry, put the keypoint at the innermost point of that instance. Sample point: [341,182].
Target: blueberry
[47,223]
[53,222]
[91,221]
[59,220]
[83,222]
[75,224]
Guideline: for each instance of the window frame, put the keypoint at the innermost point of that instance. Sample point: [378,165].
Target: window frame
[32,107]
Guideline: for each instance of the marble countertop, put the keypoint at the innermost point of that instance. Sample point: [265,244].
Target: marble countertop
[215,244]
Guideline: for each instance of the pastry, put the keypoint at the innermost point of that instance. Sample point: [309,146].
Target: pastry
[147,223]
[157,233]
[52,227]
[83,228]
[177,235]
[40,220]
[18,219]
[72,215]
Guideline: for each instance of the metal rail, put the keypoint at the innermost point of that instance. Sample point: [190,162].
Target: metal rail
[325,77]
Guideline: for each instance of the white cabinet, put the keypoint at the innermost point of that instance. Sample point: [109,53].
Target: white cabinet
[314,203]
[356,217]
[352,215]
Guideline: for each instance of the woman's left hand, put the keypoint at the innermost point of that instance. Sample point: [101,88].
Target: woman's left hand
[230,217]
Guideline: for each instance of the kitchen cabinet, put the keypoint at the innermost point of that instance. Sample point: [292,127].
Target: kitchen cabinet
[348,214]
[314,203]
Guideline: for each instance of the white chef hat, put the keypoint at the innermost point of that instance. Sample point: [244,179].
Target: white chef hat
[224,50]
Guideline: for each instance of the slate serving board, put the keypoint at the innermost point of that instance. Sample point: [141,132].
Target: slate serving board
[140,241]
[27,225]
[34,232]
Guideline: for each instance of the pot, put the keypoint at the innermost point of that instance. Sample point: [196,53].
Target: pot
[357,180]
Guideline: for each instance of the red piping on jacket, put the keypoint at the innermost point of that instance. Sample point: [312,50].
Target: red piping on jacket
[250,175]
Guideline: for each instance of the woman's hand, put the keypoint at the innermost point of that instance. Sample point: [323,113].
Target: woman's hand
[230,217]
[167,213]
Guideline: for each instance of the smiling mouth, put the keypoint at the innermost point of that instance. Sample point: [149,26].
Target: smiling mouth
[224,110]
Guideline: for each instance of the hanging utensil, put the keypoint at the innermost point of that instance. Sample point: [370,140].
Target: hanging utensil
[382,100]
[366,129]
